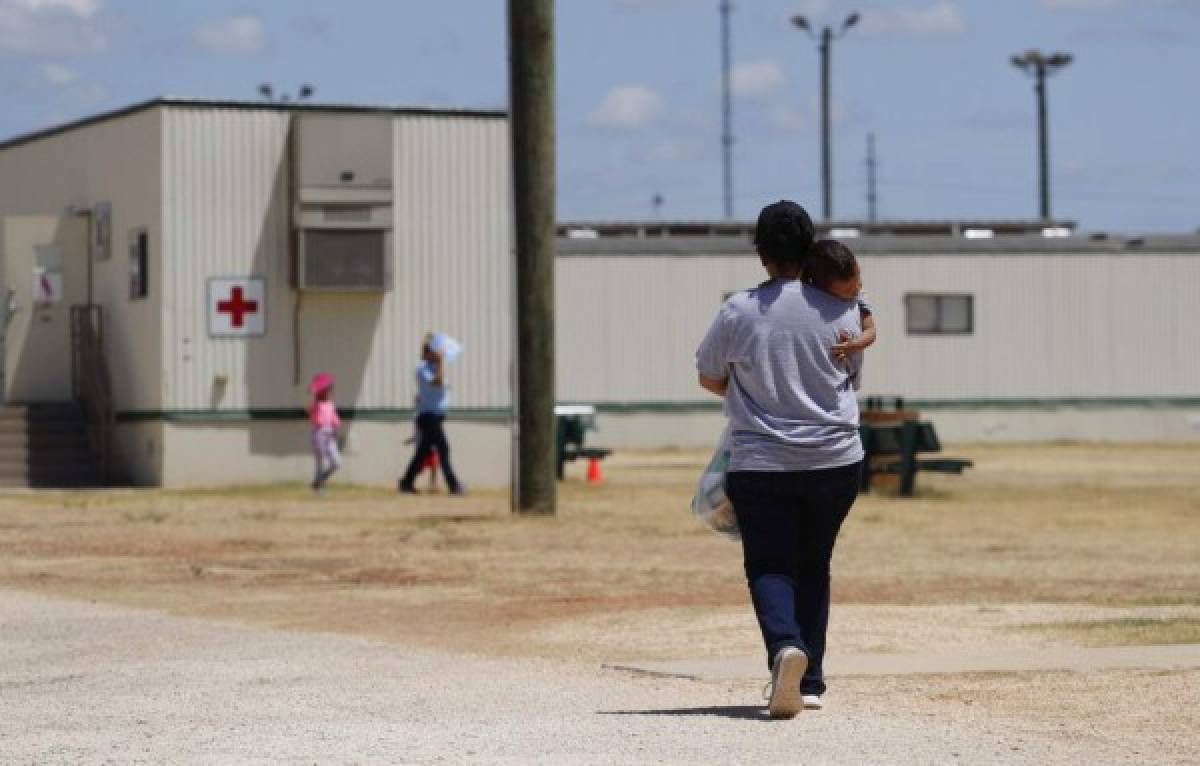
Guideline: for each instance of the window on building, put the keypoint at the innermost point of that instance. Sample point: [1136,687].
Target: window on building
[139,266]
[933,314]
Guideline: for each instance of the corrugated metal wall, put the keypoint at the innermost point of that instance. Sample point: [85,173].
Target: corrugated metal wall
[226,214]
[454,251]
[1046,326]
[1064,326]
[627,326]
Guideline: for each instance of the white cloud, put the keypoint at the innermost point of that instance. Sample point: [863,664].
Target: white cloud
[59,75]
[628,106]
[51,27]
[814,9]
[755,79]
[788,119]
[58,86]
[1081,3]
[1067,5]
[942,20]
[654,3]
[82,8]
[673,150]
[233,34]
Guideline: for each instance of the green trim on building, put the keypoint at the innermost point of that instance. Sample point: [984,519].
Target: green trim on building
[386,415]
[713,406]
[1083,403]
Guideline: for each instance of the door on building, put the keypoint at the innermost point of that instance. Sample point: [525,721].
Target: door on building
[43,272]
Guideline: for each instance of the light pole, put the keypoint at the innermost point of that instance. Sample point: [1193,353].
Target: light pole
[1039,65]
[826,39]
[726,108]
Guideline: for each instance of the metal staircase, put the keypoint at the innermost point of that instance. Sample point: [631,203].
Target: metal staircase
[46,445]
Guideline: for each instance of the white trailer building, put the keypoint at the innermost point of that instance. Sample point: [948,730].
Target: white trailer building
[995,330]
[233,250]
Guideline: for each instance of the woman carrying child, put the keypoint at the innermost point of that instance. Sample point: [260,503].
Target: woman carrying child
[795,452]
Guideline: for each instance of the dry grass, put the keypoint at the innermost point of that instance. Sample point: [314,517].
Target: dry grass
[1127,631]
[1100,525]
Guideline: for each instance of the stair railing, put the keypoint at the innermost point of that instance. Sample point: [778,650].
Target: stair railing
[91,384]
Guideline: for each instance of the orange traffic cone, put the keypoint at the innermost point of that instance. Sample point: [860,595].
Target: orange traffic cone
[593,471]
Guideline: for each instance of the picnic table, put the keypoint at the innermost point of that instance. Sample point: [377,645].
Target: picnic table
[894,448]
[572,422]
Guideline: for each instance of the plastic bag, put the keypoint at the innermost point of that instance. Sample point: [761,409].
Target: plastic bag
[710,504]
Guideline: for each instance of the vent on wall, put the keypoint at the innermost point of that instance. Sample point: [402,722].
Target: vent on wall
[344,259]
[343,216]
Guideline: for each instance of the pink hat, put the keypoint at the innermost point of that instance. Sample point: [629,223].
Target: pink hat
[320,382]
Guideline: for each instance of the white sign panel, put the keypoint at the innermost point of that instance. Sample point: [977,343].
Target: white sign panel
[47,286]
[102,231]
[237,307]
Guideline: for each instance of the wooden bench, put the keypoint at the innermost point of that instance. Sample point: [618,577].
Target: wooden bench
[572,422]
[893,448]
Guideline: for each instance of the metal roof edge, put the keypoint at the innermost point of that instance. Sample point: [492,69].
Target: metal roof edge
[192,103]
[660,247]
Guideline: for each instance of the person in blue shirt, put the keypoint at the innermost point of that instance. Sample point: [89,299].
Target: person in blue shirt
[433,400]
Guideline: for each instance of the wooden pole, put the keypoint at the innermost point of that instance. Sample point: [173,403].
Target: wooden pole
[531,88]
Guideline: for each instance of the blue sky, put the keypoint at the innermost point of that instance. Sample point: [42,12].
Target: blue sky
[639,92]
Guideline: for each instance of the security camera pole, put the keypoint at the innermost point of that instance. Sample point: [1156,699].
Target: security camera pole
[1039,65]
[531,95]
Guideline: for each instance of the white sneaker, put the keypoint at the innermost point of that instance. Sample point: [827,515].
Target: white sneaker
[812,701]
[786,672]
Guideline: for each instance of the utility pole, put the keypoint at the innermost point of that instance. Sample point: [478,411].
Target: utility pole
[727,106]
[531,94]
[872,196]
[825,47]
[1039,66]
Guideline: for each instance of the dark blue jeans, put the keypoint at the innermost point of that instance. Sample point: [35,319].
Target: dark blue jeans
[431,437]
[789,523]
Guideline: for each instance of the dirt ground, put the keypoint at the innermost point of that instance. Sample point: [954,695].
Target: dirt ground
[1046,545]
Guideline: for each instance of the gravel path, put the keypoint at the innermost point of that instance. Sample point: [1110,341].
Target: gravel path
[86,683]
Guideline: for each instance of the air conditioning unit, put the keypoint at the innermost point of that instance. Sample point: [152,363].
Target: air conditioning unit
[343,215]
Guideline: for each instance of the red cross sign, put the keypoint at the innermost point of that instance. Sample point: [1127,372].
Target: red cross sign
[237,307]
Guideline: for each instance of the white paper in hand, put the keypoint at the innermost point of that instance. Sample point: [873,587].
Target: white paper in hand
[448,347]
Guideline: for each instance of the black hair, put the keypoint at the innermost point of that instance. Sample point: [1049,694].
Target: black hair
[784,233]
[829,261]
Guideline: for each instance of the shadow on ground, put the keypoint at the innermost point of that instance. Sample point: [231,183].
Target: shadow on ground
[742,712]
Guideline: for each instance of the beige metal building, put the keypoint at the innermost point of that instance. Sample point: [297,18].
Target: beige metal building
[234,249]
[996,331]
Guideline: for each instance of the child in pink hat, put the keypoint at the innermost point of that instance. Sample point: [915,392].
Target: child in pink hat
[323,416]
